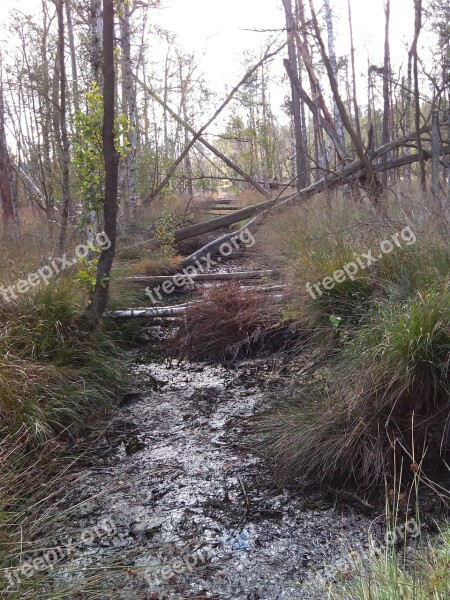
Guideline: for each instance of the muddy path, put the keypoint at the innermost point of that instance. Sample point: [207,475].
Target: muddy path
[192,511]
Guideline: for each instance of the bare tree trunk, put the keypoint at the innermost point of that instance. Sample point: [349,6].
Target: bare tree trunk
[66,199]
[332,54]
[45,161]
[187,161]
[386,72]
[370,180]
[11,225]
[355,99]
[436,146]
[415,60]
[323,123]
[111,157]
[73,57]
[95,33]
[300,156]
[96,61]
[448,162]
[129,93]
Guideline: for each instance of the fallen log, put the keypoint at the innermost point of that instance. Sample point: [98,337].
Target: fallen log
[153,279]
[147,313]
[160,312]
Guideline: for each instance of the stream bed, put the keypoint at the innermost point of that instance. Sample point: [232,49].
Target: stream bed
[192,509]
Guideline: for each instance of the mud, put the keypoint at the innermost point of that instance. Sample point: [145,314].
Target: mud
[193,507]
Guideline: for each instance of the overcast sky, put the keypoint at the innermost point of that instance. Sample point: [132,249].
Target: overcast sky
[218,32]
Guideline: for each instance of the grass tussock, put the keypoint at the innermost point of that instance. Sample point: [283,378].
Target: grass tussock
[54,372]
[384,388]
[425,577]
[56,377]
[227,321]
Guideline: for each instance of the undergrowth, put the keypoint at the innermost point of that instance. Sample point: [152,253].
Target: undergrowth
[383,389]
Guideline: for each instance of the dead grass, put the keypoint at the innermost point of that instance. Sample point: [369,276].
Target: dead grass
[159,265]
[226,323]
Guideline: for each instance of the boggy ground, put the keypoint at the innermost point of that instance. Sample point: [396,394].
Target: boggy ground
[194,510]
[191,507]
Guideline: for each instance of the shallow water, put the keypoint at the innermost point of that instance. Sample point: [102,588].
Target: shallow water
[194,511]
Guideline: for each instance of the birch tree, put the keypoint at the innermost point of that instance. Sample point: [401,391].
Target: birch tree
[333,61]
[11,226]
[129,109]
[65,143]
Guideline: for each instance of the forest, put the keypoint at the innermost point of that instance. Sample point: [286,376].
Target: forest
[225,300]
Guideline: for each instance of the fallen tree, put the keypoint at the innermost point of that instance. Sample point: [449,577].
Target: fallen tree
[165,312]
[213,247]
[153,279]
[198,137]
[353,172]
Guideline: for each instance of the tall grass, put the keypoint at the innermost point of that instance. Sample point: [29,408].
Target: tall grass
[54,372]
[384,390]
[56,377]
[425,576]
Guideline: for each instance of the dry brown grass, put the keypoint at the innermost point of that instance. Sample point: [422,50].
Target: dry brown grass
[226,323]
[161,265]
[250,197]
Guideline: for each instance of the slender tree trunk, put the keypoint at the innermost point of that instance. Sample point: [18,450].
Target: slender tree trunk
[415,61]
[73,57]
[386,87]
[111,157]
[448,162]
[11,226]
[300,157]
[436,147]
[66,199]
[45,161]
[129,93]
[96,61]
[95,34]
[352,52]
[333,61]
[370,180]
